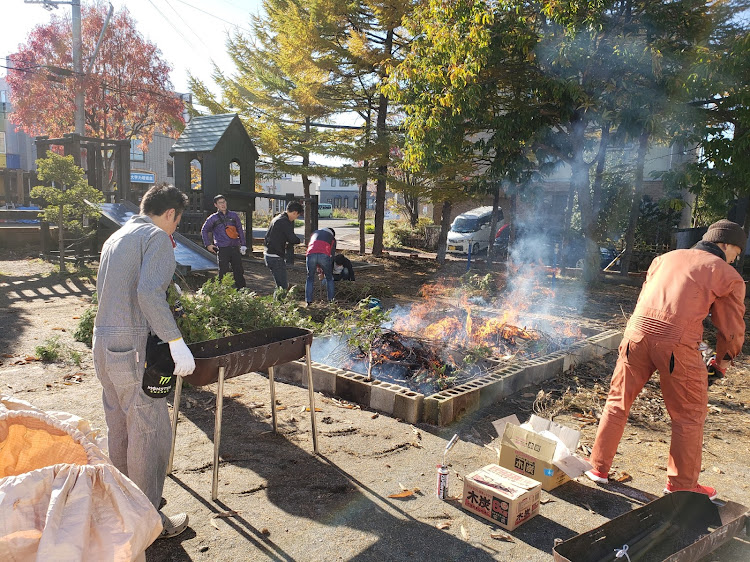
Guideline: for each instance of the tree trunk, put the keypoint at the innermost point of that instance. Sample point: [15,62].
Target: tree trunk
[306,181]
[493,223]
[635,206]
[601,159]
[582,182]
[383,152]
[362,209]
[445,224]
[61,239]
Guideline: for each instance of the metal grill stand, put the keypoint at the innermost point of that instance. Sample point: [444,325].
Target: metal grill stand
[269,356]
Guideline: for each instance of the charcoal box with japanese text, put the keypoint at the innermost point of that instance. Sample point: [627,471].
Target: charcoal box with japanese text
[527,452]
[502,496]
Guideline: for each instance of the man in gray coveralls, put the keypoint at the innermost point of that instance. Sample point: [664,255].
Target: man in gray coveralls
[135,269]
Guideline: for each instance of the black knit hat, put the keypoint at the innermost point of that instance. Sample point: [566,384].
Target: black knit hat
[727,232]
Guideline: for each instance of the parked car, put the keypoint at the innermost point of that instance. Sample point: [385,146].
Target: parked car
[471,230]
[537,245]
[325,211]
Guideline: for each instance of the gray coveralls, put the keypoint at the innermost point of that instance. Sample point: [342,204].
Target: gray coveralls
[136,267]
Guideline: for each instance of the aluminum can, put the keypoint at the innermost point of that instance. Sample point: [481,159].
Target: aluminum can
[442,481]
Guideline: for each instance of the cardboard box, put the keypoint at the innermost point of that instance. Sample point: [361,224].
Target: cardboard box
[502,496]
[525,451]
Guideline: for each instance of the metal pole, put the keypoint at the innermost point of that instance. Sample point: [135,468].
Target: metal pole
[312,398]
[217,434]
[175,413]
[273,398]
[78,67]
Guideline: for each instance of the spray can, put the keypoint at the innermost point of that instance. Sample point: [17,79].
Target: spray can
[442,481]
[442,470]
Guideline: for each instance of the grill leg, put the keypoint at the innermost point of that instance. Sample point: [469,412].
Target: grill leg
[217,434]
[273,398]
[312,399]
[175,413]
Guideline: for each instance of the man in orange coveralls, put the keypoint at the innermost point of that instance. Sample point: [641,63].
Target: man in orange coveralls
[680,290]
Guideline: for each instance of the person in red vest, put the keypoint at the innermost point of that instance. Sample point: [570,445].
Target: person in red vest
[320,252]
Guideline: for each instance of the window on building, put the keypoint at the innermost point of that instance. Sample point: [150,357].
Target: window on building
[346,202]
[170,168]
[337,202]
[329,200]
[234,173]
[333,182]
[356,203]
[196,175]
[136,154]
[2,142]
[3,96]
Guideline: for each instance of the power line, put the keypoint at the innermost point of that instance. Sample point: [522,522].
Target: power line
[177,31]
[233,24]
[186,24]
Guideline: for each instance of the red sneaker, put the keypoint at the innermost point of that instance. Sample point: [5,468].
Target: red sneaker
[596,476]
[708,490]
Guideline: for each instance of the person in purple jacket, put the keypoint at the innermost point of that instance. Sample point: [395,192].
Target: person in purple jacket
[223,235]
[320,252]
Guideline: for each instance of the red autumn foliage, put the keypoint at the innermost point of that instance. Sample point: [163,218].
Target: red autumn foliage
[128,92]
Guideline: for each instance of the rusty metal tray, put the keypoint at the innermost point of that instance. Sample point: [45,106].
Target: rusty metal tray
[682,526]
[244,353]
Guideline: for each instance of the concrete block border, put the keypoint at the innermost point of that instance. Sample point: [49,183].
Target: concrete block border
[447,406]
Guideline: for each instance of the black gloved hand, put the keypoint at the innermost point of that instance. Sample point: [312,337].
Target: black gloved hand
[715,372]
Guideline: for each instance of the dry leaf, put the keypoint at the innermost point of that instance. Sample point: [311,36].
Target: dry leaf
[231,513]
[31,358]
[76,317]
[265,531]
[8,355]
[416,432]
[403,494]
[717,470]
[214,524]
[546,500]
[623,477]
[502,537]
[444,525]
[374,416]
[464,533]
[316,409]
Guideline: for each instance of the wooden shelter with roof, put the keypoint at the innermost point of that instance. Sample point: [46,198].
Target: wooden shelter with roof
[221,156]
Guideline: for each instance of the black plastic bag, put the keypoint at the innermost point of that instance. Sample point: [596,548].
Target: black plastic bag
[158,377]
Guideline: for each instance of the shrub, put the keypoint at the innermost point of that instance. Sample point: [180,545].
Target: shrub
[49,351]
[85,330]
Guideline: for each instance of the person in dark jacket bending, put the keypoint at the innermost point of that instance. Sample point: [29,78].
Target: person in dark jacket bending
[280,233]
[320,252]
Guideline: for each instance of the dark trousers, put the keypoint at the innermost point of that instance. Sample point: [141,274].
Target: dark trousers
[229,258]
[278,270]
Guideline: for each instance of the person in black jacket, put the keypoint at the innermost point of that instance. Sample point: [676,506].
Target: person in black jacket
[343,270]
[280,233]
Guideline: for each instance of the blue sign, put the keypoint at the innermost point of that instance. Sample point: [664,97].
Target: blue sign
[13,161]
[141,177]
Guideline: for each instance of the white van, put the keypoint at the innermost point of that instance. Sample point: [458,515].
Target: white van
[472,230]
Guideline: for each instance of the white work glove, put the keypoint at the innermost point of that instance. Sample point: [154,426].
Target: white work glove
[178,289]
[184,364]
[243,250]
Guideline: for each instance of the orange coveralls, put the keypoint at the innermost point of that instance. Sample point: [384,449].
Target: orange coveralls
[663,334]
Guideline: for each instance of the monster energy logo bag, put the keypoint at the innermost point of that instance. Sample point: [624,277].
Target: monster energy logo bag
[158,377]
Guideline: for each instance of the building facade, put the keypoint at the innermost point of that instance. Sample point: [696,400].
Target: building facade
[17,156]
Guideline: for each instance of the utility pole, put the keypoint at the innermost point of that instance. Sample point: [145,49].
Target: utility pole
[50,5]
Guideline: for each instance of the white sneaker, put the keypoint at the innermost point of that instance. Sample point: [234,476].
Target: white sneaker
[596,476]
[173,525]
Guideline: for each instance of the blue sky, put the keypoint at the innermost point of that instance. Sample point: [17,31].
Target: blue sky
[190,33]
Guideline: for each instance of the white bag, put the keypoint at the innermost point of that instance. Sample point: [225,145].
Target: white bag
[60,497]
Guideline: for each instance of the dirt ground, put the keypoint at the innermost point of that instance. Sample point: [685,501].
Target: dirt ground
[279,501]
